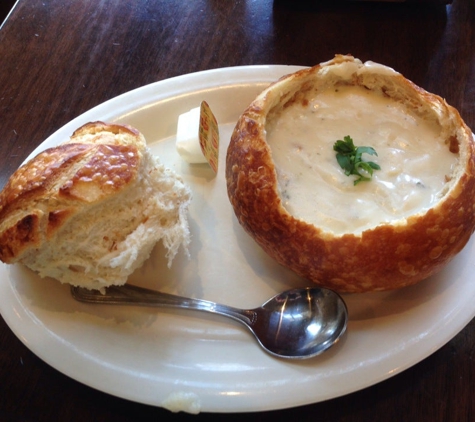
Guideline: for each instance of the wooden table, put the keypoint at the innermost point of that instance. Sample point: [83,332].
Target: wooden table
[60,58]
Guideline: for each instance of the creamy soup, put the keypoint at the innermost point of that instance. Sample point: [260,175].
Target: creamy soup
[415,162]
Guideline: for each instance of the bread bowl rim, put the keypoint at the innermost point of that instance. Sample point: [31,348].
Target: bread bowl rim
[252,124]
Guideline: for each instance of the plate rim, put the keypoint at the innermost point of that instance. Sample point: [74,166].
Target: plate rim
[456,323]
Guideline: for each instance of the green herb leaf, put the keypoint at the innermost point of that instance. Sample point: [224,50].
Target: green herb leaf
[350,159]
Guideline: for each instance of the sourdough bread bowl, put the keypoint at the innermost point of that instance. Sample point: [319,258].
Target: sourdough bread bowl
[291,195]
[89,211]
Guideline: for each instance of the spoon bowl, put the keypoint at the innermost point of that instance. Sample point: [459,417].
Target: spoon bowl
[295,324]
[301,323]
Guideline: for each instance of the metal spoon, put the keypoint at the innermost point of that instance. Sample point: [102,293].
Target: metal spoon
[297,324]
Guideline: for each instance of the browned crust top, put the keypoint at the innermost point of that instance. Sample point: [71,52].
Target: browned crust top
[96,163]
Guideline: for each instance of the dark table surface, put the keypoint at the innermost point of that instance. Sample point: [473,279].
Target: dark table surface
[60,58]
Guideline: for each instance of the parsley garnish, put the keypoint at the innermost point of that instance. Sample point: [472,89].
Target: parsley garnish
[349,158]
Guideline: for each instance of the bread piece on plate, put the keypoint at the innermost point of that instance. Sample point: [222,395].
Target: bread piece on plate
[89,211]
[291,195]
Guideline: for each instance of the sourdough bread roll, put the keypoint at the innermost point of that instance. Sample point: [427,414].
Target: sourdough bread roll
[89,211]
[290,194]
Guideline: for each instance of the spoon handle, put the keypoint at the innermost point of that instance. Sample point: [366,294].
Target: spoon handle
[139,296]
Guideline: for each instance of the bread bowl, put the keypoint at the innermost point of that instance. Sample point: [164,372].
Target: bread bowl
[397,229]
[89,211]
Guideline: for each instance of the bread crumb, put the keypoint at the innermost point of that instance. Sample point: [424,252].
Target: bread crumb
[181,401]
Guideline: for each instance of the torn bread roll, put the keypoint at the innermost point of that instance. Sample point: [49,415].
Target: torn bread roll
[291,195]
[89,211]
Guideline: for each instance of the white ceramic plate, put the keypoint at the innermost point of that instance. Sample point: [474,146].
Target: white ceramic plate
[194,362]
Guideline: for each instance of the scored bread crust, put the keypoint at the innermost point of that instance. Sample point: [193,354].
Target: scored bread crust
[61,179]
[388,256]
[89,211]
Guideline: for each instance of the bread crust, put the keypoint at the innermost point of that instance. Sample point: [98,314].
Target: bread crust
[388,256]
[44,193]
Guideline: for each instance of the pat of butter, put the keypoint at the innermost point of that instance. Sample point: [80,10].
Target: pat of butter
[187,140]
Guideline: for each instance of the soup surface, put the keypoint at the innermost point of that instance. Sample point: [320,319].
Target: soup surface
[415,162]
